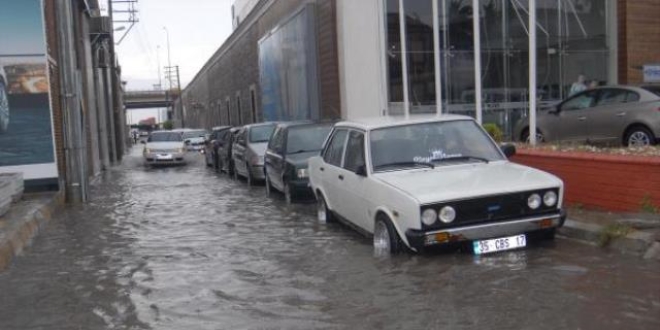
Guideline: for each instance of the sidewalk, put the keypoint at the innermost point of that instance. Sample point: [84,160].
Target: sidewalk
[23,221]
[629,233]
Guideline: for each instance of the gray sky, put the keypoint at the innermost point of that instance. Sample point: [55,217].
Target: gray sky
[196,29]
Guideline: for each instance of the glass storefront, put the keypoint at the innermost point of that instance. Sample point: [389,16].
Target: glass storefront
[571,41]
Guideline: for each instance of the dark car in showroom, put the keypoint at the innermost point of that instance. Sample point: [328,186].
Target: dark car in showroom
[289,149]
[619,115]
[212,145]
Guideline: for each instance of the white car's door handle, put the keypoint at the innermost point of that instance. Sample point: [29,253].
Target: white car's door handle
[620,114]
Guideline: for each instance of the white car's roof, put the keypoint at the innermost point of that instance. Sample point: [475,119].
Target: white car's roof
[390,121]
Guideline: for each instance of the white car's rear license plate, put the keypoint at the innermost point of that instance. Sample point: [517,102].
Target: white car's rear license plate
[499,244]
[164,156]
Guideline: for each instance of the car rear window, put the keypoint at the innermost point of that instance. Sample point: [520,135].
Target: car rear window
[307,138]
[653,89]
[261,133]
[165,137]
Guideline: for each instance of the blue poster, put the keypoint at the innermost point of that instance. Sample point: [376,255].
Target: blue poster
[287,69]
[26,127]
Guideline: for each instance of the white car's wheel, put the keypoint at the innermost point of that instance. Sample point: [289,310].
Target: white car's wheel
[323,214]
[4,108]
[386,240]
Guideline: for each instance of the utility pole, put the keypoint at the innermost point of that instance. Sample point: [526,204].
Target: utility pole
[172,72]
[178,86]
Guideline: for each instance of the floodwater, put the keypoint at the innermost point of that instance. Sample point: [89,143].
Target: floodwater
[186,248]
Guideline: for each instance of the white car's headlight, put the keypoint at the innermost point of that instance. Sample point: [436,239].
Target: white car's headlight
[447,214]
[429,216]
[302,173]
[550,198]
[534,201]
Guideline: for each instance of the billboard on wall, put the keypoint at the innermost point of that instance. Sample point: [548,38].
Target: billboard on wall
[288,69]
[26,124]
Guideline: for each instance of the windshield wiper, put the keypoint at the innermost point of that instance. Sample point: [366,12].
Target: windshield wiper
[485,160]
[427,164]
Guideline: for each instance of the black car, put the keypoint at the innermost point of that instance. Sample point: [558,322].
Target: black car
[225,142]
[290,146]
[212,144]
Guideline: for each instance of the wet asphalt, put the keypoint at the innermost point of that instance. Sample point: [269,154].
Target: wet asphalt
[187,248]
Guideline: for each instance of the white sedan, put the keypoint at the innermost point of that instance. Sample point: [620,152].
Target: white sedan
[164,148]
[422,182]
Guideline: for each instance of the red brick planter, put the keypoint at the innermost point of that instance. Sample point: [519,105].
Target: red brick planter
[610,182]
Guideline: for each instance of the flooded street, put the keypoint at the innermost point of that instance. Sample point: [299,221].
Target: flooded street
[186,248]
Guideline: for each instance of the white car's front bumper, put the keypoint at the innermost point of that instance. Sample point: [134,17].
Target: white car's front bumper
[176,158]
[419,239]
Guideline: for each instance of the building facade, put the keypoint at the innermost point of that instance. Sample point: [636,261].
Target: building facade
[67,119]
[388,52]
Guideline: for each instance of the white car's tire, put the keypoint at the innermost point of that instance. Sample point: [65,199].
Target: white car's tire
[323,213]
[386,240]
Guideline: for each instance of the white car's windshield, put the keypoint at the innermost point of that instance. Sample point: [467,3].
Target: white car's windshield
[165,137]
[430,145]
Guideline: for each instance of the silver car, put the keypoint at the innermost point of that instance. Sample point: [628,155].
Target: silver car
[164,148]
[4,102]
[611,114]
[249,149]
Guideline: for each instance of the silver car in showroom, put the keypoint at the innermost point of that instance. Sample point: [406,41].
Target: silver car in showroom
[610,115]
[164,148]
[4,101]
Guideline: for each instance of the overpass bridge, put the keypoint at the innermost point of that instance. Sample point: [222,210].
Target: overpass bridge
[150,99]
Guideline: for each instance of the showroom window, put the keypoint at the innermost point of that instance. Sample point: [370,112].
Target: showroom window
[571,41]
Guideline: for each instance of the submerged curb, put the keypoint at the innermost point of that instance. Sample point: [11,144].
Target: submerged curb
[22,223]
[639,243]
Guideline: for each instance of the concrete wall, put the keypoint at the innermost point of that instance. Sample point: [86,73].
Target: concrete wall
[360,49]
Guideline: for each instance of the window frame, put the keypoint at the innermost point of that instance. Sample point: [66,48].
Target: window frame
[364,149]
[329,144]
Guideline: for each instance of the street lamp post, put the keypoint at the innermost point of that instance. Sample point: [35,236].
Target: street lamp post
[169,62]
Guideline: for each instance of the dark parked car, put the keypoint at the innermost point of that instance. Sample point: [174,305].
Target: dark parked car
[249,149]
[212,144]
[225,142]
[611,114]
[291,145]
